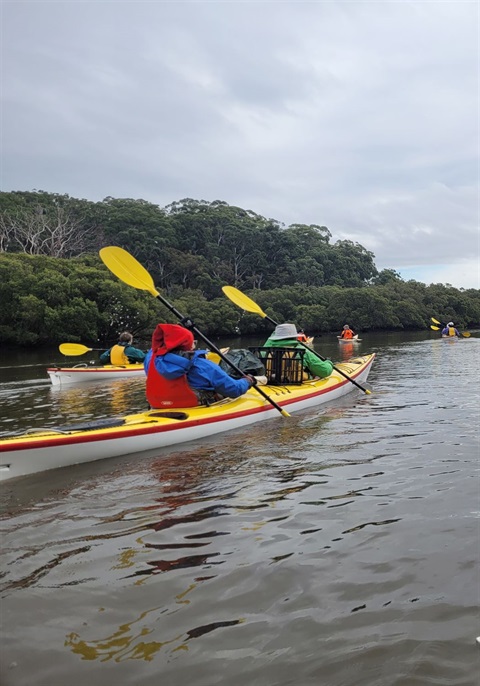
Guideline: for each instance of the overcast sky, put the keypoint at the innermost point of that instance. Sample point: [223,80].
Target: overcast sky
[359,116]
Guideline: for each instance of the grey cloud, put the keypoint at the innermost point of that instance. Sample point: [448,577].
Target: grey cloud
[362,117]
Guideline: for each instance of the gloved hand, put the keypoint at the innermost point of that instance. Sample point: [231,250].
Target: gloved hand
[261,380]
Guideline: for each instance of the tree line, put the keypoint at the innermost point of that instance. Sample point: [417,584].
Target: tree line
[54,288]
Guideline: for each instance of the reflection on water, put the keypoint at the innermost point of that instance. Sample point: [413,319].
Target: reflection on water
[336,547]
[348,350]
[82,403]
[39,404]
[128,643]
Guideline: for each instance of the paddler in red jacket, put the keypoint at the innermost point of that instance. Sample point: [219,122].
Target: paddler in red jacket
[302,336]
[347,332]
[179,376]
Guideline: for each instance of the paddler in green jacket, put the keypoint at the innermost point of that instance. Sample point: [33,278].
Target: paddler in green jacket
[285,336]
[123,353]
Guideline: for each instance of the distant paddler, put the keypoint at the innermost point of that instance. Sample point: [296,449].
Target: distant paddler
[450,331]
[123,352]
[302,336]
[347,333]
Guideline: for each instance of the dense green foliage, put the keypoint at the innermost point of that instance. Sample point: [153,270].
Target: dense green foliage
[190,244]
[54,288]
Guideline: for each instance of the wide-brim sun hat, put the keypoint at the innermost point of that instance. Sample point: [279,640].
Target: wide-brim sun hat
[284,331]
[450,324]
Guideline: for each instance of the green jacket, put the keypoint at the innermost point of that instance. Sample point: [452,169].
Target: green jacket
[311,362]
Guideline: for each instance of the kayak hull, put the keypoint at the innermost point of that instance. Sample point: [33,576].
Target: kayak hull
[62,376]
[51,448]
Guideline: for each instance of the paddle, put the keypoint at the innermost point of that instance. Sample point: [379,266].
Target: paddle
[129,270]
[465,334]
[249,305]
[75,349]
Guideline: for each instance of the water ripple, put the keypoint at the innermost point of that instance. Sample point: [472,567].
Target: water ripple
[339,547]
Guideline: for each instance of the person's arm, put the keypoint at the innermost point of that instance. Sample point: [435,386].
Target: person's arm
[146,361]
[316,366]
[134,354]
[230,387]
[105,357]
[220,381]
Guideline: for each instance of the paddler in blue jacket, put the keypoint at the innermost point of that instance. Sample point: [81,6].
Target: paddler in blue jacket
[179,376]
[450,330]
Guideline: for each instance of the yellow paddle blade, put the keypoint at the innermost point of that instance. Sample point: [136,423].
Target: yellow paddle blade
[435,321]
[435,328]
[215,357]
[466,334]
[242,300]
[73,349]
[127,269]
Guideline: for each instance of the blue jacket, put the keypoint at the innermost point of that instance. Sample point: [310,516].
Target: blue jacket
[450,331]
[202,374]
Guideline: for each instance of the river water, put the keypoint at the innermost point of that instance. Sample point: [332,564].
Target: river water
[336,547]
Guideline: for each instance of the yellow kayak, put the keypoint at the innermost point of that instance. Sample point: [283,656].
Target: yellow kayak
[62,446]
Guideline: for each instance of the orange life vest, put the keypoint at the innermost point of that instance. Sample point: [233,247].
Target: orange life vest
[117,355]
[164,393]
[347,333]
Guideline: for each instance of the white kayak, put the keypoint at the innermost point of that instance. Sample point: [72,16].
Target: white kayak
[355,339]
[61,376]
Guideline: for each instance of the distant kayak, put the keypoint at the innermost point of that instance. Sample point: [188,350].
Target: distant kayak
[355,339]
[61,376]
